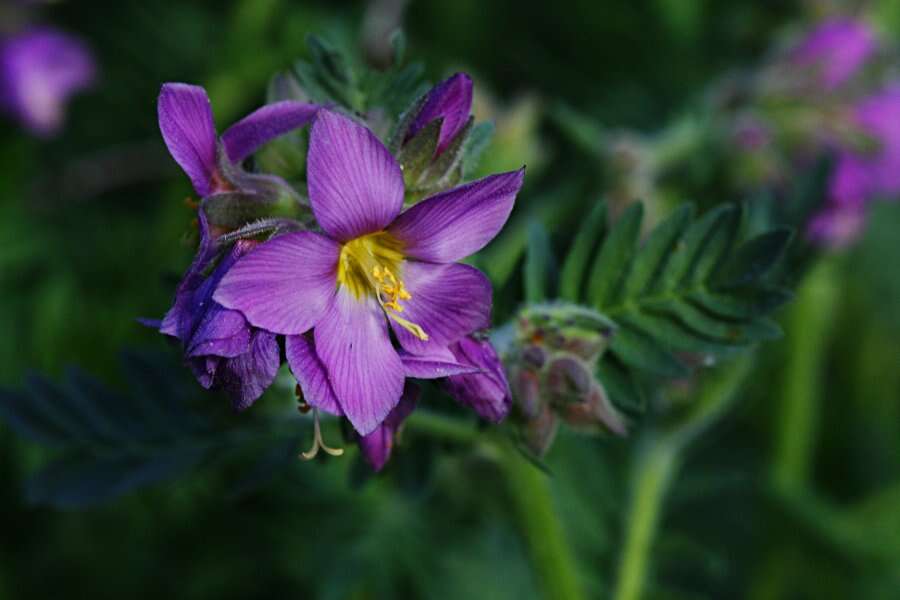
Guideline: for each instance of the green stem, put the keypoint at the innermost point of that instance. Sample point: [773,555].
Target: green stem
[551,554]
[532,499]
[439,426]
[656,466]
[808,327]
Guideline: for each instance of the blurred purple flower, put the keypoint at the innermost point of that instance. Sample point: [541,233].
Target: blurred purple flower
[186,123]
[40,68]
[838,48]
[485,391]
[373,266]
[451,101]
[221,348]
[377,446]
[864,173]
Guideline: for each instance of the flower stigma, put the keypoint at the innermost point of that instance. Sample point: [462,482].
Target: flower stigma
[371,264]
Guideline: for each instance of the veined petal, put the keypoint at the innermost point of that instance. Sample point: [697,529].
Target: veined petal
[459,222]
[364,370]
[377,446]
[355,185]
[448,302]
[434,365]
[450,100]
[263,125]
[186,123]
[283,285]
[310,373]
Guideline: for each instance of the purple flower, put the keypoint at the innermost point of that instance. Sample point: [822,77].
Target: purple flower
[40,69]
[372,268]
[485,391]
[376,446]
[838,48]
[863,174]
[221,348]
[450,101]
[186,123]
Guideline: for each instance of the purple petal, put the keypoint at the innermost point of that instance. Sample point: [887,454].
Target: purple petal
[310,373]
[221,332]
[435,365]
[364,370]
[40,69]
[245,377]
[459,222]
[377,446]
[204,369]
[284,285]
[486,392]
[839,48]
[186,123]
[355,185]
[448,302]
[179,321]
[263,125]
[450,100]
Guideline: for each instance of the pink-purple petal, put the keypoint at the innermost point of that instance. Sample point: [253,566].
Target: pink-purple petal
[448,302]
[440,363]
[186,123]
[263,125]
[355,185]
[450,100]
[459,222]
[365,371]
[377,446]
[284,285]
[310,373]
[487,391]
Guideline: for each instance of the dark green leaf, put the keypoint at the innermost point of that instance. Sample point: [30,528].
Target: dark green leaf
[588,237]
[639,350]
[477,142]
[754,258]
[539,264]
[653,256]
[614,258]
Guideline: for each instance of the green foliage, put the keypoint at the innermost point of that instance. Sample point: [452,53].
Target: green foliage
[108,443]
[693,291]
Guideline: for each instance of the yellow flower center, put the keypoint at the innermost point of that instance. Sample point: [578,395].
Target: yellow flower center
[371,264]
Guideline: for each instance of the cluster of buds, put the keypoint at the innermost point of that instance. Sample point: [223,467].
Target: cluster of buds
[552,366]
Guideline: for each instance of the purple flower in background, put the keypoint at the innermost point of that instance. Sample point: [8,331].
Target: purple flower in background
[485,391]
[372,268]
[450,101]
[186,123]
[838,48]
[376,447]
[863,174]
[40,69]
[221,348]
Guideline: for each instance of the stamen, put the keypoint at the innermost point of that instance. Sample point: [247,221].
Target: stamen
[411,327]
[318,442]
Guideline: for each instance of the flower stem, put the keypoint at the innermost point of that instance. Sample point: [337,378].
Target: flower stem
[653,470]
[551,555]
[532,500]
[656,465]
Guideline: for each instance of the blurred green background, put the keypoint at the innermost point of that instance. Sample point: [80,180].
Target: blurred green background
[91,223]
